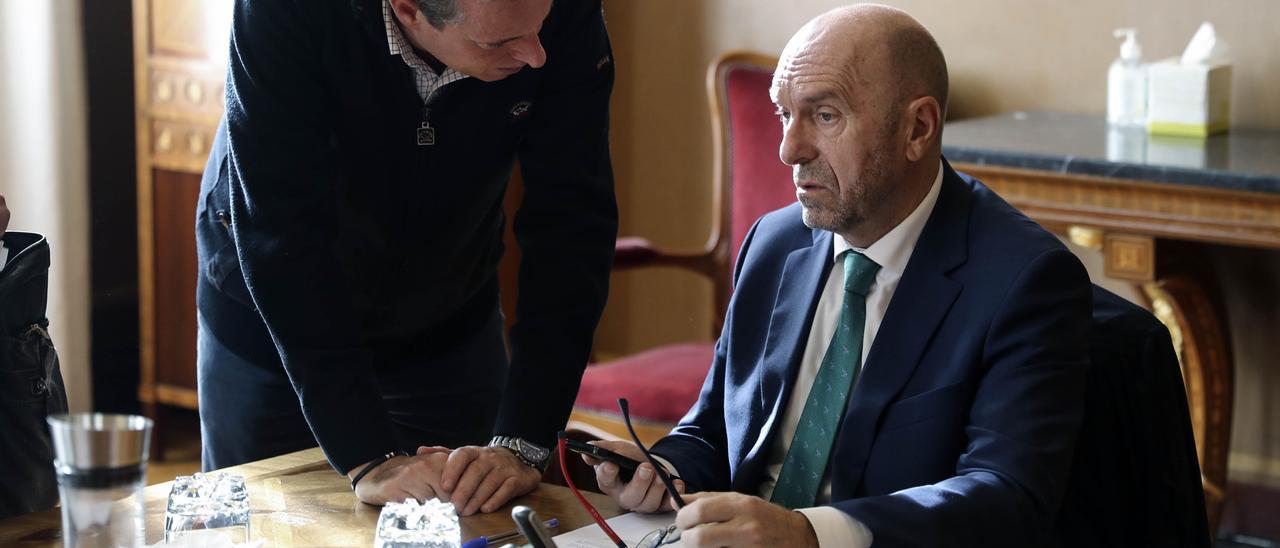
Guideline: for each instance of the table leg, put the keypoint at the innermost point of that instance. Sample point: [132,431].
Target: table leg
[1185,303]
[1183,294]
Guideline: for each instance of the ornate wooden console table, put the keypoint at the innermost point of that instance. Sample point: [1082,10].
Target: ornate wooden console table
[1152,206]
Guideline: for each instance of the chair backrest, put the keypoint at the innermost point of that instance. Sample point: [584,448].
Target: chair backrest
[749,178]
[1135,478]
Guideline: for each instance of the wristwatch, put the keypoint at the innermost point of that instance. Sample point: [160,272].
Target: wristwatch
[528,453]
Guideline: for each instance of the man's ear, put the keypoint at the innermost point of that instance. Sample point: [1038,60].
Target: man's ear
[406,12]
[925,117]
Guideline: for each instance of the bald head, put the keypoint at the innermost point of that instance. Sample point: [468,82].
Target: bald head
[862,93]
[881,49]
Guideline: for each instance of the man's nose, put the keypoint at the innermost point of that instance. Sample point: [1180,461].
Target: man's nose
[795,148]
[529,51]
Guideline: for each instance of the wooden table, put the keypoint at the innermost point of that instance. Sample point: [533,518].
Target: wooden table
[299,500]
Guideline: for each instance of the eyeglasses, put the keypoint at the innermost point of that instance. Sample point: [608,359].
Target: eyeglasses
[657,467]
[657,537]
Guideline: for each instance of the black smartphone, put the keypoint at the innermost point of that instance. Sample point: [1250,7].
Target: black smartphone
[626,465]
[530,525]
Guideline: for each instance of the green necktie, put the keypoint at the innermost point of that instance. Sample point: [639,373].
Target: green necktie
[806,460]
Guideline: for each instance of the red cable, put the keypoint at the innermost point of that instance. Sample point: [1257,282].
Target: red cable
[564,468]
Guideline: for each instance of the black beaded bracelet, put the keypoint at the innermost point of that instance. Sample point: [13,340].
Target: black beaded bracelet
[368,467]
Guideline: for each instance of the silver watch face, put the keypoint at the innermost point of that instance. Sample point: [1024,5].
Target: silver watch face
[531,452]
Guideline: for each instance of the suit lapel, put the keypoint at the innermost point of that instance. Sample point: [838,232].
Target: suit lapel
[921,301]
[798,292]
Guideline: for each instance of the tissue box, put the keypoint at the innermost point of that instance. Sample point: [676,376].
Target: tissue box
[1188,100]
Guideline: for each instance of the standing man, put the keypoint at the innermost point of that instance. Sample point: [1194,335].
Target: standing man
[905,355]
[350,225]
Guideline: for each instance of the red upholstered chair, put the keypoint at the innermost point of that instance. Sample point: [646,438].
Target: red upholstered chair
[661,384]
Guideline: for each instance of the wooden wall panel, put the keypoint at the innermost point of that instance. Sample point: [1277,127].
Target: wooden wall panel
[177,27]
[175,277]
[178,94]
[180,146]
[184,89]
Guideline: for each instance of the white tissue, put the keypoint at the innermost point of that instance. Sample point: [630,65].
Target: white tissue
[1204,48]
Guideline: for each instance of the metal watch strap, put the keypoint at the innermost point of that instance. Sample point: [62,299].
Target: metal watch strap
[512,443]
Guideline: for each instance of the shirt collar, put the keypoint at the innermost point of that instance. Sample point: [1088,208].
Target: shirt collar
[893,250]
[397,44]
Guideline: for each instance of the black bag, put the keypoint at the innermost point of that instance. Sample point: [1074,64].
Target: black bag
[30,383]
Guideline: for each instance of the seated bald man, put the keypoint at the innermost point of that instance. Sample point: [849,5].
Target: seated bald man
[904,356]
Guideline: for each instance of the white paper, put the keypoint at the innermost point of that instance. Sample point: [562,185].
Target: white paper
[631,527]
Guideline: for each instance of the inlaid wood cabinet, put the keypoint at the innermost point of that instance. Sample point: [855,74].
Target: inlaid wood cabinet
[179,47]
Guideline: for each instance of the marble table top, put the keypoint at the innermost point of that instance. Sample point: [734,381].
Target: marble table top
[1080,144]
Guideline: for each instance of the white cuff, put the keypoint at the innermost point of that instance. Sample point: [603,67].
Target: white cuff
[836,528]
[671,470]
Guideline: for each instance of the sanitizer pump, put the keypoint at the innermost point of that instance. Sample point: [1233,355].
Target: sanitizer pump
[1127,84]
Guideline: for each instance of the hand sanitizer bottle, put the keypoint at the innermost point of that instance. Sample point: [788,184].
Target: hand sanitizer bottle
[1127,84]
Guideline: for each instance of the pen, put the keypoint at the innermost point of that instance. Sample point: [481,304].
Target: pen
[482,542]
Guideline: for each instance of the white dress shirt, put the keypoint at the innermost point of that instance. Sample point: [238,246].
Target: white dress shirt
[891,252]
[4,255]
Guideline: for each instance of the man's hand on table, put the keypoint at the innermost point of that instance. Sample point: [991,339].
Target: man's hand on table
[735,519]
[472,478]
[401,477]
[644,493]
[485,478]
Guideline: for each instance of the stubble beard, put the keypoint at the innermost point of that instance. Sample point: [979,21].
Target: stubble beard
[849,206]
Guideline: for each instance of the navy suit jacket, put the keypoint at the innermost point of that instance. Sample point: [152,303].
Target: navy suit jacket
[961,428]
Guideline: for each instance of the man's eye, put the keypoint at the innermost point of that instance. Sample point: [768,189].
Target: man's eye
[826,117]
[783,115]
